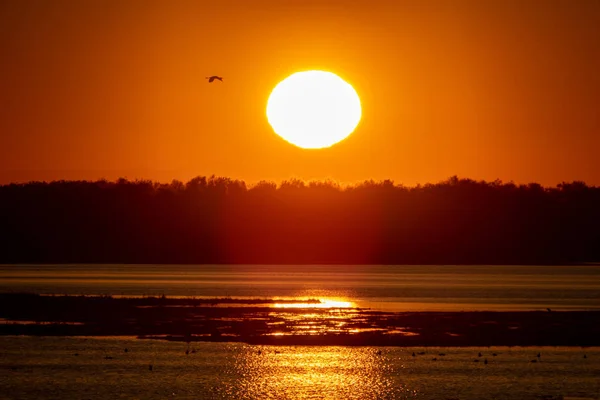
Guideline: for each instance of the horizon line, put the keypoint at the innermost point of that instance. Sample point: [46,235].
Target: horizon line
[297,181]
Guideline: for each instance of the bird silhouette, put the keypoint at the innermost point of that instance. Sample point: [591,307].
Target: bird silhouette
[211,79]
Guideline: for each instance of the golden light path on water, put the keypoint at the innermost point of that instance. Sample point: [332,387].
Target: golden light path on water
[327,372]
[322,303]
[315,317]
[40,368]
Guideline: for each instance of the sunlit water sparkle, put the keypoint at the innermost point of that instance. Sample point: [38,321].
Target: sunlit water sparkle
[47,368]
[387,287]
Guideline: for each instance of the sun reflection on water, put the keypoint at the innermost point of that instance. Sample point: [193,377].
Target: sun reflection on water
[322,303]
[299,372]
[306,316]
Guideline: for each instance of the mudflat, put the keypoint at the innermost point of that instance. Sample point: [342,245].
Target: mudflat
[288,322]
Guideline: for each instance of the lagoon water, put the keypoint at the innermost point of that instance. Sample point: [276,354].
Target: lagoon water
[99,368]
[77,368]
[390,288]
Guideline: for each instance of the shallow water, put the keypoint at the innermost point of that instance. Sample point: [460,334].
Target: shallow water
[47,368]
[390,288]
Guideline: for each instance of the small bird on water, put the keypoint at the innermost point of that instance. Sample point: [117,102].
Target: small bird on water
[211,79]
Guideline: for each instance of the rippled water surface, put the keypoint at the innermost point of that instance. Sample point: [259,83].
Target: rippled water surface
[393,288]
[81,368]
[100,368]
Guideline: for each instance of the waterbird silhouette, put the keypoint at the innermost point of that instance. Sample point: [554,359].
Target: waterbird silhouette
[442,354]
[479,355]
[539,355]
[485,361]
[434,359]
[413,354]
[150,367]
[211,79]
[494,354]
[534,360]
[549,310]
[585,356]
[126,350]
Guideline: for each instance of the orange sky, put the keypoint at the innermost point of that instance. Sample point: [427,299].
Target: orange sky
[481,89]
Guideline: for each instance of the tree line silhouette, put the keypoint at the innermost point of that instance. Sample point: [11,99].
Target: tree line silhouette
[221,220]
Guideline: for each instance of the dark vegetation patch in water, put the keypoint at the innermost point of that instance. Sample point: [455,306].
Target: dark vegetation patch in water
[258,322]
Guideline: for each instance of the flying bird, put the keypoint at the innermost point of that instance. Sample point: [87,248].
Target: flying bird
[212,78]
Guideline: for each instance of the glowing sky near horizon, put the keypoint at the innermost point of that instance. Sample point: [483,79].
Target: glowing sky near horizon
[487,90]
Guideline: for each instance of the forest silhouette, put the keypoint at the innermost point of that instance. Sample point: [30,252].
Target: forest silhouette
[224,221]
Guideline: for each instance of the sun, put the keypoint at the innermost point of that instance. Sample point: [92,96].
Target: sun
[313,109]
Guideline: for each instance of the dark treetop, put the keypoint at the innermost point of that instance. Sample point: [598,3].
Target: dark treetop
[219,220]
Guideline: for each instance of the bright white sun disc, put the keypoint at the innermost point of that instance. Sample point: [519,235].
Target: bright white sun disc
[313,109]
